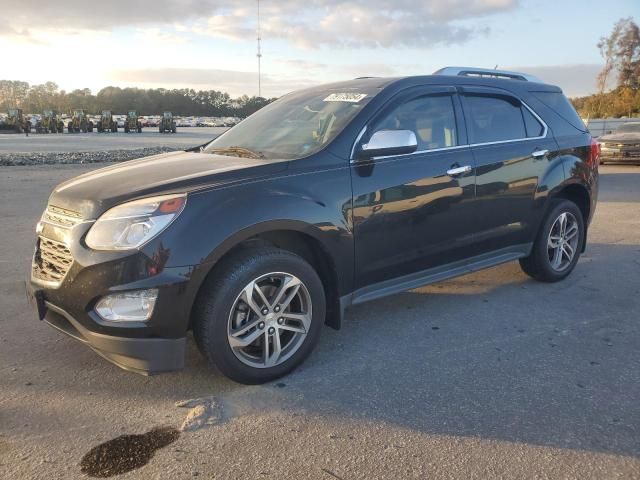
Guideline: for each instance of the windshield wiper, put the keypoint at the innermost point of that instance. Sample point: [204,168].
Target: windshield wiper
[237,152]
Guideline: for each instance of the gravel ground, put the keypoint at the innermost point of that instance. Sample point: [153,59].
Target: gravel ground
[53,158]
[51,145]
[490,375]
[98,147]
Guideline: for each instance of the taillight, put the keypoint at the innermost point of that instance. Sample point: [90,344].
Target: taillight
[593,158]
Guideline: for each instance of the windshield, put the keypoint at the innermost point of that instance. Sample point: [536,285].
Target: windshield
[629,127]
[294,126]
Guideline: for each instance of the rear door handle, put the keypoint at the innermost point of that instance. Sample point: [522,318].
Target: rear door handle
[452,172]
[540,153]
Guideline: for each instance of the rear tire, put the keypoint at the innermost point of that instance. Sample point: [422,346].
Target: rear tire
[222,317]
[558,245]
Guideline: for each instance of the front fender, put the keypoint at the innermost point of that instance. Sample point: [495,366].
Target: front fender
[317,204]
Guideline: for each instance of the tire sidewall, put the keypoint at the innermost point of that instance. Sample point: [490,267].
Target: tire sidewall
[216,345]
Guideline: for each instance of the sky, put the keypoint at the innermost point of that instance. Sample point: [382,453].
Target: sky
[211,44]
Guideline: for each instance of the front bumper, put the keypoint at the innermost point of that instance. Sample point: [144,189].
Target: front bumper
[146,356]
[68,279]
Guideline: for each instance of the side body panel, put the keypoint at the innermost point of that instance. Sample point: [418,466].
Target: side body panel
[409,213]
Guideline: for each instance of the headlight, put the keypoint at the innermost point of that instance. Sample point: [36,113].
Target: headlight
[133,224]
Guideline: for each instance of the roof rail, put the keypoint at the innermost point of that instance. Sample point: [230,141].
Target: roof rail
[487,72]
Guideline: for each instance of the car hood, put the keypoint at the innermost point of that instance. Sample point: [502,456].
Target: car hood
[93,193]
[630,137]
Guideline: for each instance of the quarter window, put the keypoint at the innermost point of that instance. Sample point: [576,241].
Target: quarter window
[431,118]
[534,127]
[494,119]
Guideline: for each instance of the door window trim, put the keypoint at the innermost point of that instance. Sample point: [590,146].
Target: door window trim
[544,134]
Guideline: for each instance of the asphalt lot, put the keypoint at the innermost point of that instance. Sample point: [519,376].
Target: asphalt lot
[186,137]
[491,375]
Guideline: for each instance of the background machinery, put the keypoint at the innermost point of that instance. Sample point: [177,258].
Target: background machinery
[79,122]
[132,122]
[14,122]
[107,123]
[50,122]
[167,124]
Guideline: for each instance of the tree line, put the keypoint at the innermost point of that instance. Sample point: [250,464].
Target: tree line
[183,101]
[620,51]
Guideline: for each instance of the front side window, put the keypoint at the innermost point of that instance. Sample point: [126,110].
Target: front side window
[494,119]
[431,118]
[295,126]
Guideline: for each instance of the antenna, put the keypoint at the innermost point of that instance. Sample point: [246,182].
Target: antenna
[259,54]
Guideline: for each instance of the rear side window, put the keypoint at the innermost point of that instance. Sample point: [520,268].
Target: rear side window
[557,102]
[534,127]
[494,119]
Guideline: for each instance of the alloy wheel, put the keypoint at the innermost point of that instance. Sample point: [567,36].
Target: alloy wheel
[269,320]
[562,242]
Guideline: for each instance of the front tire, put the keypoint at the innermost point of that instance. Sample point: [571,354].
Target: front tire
[259,315]
[557,248]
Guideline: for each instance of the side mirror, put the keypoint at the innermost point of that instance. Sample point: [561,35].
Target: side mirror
[389,142]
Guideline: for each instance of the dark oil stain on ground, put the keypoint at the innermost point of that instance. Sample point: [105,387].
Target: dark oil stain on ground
[126,452]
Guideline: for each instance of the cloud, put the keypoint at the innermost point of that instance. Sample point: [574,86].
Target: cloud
[230,81]
[358,23]
[21,34]
[304,23]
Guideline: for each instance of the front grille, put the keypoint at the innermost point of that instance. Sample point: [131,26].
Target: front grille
[52,260]
[61,217]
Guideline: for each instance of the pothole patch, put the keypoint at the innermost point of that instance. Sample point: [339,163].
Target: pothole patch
[203,412]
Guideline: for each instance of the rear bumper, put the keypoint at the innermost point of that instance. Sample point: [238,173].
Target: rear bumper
[146,356]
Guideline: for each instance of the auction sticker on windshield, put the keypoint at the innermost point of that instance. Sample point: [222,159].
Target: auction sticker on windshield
[345,97]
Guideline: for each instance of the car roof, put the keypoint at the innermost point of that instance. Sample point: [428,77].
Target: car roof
[400,83]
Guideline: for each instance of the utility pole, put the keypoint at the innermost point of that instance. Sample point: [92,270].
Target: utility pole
[259,54]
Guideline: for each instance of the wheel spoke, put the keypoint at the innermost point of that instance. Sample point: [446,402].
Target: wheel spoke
[287,283]
[303,318]
[260,293]
[557,258]
[554,241]
[245,328]
[568,251]
[571,232]
[563,224]
[290,296]
[272,359]
[247,297]
[241,342]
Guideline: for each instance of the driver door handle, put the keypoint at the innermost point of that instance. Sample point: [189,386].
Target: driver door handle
[452,172]
[540,153]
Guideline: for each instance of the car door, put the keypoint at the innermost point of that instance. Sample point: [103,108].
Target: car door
[413,211]
[512,149]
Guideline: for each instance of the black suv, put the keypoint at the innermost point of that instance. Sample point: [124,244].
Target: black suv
[326,198]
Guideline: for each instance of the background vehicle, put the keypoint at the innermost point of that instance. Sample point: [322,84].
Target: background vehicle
[14,121]
[132,122]
[623,145]
[107,123]
[167,124]
[79,122]
[50,122]
[325,198]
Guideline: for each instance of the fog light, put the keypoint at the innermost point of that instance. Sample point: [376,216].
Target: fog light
[134,306]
